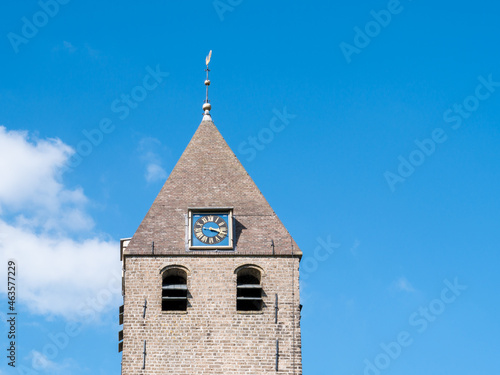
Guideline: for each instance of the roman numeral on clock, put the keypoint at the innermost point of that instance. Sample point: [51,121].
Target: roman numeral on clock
[210,229]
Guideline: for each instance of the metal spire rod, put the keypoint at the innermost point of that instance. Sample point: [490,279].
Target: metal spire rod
[207,83]
[206,105]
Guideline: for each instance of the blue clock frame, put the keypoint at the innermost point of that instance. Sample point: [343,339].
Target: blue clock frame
[210,229]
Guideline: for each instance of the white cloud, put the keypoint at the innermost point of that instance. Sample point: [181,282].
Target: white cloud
[30,185]
[85,51]
[69,46]
[41,219]
[56,275]
[43,364]
[154,170]
[403,285]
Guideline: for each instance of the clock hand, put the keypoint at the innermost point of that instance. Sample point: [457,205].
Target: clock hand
[213,229]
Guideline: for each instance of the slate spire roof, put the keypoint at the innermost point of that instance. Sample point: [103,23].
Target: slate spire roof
[208,174]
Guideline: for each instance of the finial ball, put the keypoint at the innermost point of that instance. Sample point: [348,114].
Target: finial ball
[207,82]
[207,107]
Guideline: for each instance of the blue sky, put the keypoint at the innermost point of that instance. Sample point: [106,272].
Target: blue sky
[372,128]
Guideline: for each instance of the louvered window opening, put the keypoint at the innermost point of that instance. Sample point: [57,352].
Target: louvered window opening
[174,292]
[249,291]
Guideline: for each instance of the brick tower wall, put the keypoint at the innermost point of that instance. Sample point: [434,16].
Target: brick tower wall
[212,337]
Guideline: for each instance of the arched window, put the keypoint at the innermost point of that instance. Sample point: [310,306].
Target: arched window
[174,290]
[249,289]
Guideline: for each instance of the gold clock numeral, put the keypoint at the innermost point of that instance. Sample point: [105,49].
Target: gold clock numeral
[204,219]
[211,240]
[210,218]
[204,238]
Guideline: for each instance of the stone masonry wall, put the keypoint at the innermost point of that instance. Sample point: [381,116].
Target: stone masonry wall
[212,337]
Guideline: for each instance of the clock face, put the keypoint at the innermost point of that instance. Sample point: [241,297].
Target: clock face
[211,230]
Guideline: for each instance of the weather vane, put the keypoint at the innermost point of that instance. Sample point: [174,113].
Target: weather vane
[207,59]
[206,106]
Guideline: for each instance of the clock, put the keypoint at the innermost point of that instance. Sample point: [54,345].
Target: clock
[210,229]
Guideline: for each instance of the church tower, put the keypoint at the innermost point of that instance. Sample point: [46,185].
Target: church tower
[211,276]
